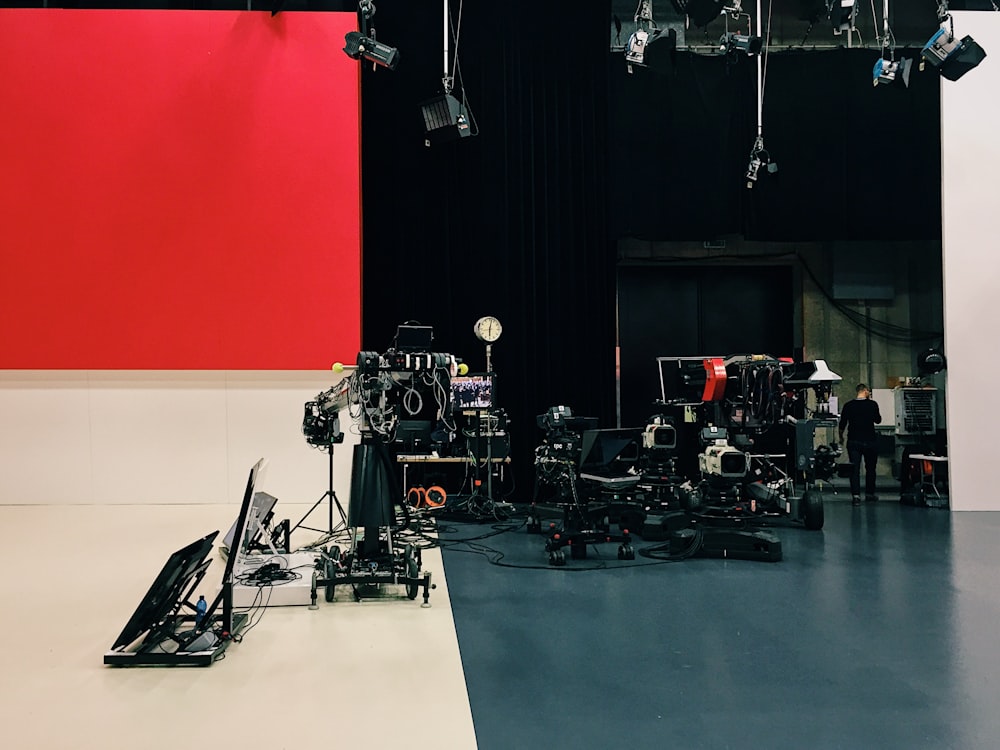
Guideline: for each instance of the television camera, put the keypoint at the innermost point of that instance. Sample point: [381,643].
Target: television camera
[560,463]
[557,456]
[720,462]
[399,397]
[321,416]
[767,411]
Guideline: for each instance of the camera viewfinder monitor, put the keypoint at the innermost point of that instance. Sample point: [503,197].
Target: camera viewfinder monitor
[414,338]
[472,392]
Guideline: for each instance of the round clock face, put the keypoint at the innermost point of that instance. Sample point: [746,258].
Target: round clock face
[488,329]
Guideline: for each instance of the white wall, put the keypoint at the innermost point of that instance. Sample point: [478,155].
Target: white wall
[113,437]
[970,152]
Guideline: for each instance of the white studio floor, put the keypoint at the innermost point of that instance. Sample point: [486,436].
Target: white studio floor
[349,674]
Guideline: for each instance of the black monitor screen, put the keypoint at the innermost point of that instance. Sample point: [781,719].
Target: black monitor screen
[238,531]
[414,338]
[472,391]
[609,447]
[414,435]
[168,590]
[261,507]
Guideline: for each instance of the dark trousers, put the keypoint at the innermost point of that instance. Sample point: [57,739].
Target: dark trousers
[857,450]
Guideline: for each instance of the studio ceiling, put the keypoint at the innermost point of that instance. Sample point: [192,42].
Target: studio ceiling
[797,23]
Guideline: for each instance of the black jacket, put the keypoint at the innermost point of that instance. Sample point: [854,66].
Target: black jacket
[860,417]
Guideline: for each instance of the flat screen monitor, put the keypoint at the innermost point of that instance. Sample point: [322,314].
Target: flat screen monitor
[604,448]
[472,392]
[239,531]
[414,338]
[260,508]
[414,435]
[179,575]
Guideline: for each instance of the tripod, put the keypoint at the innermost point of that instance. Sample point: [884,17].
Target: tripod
[477,502]
[336,436]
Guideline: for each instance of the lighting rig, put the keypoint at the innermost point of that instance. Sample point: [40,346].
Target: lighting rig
[735,44]
[842,14]
[951,57]
[445,117]
[887,68]
[649,46]
[362,45]
[760,157]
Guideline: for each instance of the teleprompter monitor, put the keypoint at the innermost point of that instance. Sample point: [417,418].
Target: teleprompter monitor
[174,583]
[609,448]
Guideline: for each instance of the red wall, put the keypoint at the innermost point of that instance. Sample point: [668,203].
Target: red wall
[178,190]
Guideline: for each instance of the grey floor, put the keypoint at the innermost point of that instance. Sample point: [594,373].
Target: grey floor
[876,632]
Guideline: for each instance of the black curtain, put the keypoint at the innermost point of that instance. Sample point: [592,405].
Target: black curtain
[510,222]
[696,311]
[854,161]
[680,140]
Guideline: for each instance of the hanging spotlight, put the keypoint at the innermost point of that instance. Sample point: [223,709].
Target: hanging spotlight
[759,157]
[842,13]
[952,57]
[734,44]
[445,119]
[361,45]
[887,69]
[649,46]
[890,71]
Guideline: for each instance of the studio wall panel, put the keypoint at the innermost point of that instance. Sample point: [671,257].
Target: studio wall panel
[143,437]
[181,190]
[970,160]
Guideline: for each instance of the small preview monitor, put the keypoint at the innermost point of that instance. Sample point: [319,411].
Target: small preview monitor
[472,392]
[414,338]
[414,435]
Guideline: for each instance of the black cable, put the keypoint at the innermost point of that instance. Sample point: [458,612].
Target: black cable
[662,551]
[261,608]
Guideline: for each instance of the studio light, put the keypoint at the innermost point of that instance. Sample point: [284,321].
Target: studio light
[748,44]
[650,46]
[360,47]
[445,119]
[842,14]
[890,71]
[653,48]
[951,57]
[759,157]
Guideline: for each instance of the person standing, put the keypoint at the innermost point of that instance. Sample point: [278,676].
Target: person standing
[858,418]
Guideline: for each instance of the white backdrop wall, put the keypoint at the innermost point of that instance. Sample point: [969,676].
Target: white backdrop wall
[116,437]
[970,152]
